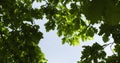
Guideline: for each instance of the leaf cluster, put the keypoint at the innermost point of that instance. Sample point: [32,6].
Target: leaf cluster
[19,36]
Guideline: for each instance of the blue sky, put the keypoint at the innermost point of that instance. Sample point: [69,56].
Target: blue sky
[55,52]
[53,49]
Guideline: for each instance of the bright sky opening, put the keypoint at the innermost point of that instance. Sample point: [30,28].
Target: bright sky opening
[55,51]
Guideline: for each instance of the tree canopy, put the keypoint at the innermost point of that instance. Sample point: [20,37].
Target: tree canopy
[73,19]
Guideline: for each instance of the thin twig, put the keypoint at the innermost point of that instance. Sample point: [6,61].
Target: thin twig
[111,48]
[107,44]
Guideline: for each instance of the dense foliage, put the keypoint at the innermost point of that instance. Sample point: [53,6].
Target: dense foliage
[19,39]
[73,19]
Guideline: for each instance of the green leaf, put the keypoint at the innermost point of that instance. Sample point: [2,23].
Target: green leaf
[105,38]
